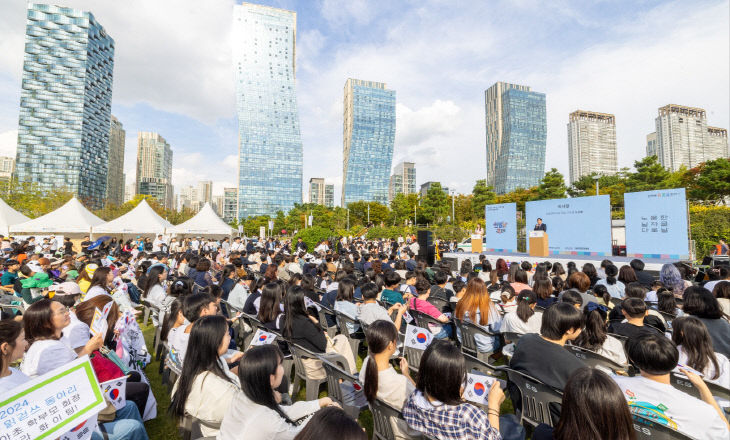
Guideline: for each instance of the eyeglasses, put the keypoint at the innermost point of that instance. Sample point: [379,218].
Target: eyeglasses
[62,311]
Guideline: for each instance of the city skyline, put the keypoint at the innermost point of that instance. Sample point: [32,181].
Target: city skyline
[429,117]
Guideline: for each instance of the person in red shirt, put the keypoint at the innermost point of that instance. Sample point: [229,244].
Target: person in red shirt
[420,304]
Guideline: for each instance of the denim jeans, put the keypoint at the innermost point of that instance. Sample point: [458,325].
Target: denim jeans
[127,425]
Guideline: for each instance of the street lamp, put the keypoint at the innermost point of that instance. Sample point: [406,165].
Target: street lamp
[596,179]
[368,213]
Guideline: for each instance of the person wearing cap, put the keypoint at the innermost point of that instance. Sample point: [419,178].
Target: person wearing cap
[85,276]
[7,281]
[34,288]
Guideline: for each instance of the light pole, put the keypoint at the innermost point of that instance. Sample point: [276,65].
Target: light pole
[348,219]
[453,218]
[368,213]
[596,179]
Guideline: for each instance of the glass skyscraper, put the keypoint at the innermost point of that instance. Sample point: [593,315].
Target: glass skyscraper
[65,102]
[516,137]
[368,138]
[270,147]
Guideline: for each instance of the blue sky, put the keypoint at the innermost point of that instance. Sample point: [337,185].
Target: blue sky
[173,74]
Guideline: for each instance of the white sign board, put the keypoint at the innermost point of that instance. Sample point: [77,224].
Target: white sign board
[52,404]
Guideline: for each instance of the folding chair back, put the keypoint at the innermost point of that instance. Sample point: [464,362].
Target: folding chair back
[336,377]
[325,311]
[468,342]
[682,383]
[382,416]
[593,359]
[512,336]
[344,323]
[536,398]
[413,356]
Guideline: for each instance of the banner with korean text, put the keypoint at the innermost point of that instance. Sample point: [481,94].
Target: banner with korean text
[656,224]
[501,227]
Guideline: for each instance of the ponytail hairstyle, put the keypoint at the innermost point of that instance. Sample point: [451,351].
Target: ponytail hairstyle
[692,335]
[594,327]
[601,291]
[181,287]
[558,284]
[379,335]
[525,300]
[611,272]
[508,292]
[257,366]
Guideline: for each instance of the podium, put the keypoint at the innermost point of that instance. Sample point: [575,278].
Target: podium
[476,243]
[539,244]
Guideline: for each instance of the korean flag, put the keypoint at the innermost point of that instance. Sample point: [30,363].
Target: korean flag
[82,431]
[417,337]
[115,391]
[477,388]
[262,338]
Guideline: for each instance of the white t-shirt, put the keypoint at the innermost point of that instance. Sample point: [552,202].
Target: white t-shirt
[512,323]
[669,406]
[179,343]
[393,389]
[157,295]
[613,349]
[76,334]
[96,291]
[723,379]
[15,379]
[46,355]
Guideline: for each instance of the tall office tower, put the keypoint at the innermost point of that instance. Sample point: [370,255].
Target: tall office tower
[217,205]
[115,174]
[130,190]
[230,204]
[403,180]
[205,192]
[683,137]
[329,195]
[154,168]
[495,124]
[651,147]
[321,193]
[65,102]
[368,138]
[591,144]
[426,186]
[270,147]
[7,167]
[516,135]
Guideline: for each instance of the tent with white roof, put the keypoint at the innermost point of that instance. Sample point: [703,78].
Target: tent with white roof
[9,217]
[205,223]
[71,218]
[142,220]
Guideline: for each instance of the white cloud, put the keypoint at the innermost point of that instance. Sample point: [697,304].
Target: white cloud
[8,143]
[343,12]
[438,119]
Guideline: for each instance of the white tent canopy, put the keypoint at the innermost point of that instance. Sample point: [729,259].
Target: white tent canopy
[141,220]
[71,218]
[9,217]
[205,223]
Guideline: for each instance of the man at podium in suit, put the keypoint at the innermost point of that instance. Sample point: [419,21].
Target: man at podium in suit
[540,226]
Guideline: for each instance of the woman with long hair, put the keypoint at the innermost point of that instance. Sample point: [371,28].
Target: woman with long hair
[12,349]
[44,322]
[667,302]
[502,269]
[595,335]
[256,412]
[202,276]
[206,388]
[590,270]
[695,350]
[476,306]
[345,302]
[721,291]
[438,397]
[154,291]
[615,287]
[302,329]
[699,302]
[593,408]
[100,283]
[558,271]
[627,275]
[543,290]
[270,306]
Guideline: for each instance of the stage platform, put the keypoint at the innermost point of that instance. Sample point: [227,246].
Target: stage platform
[651,264]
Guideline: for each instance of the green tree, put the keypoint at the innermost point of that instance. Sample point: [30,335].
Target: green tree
[482,195]
[463,206]
[359,213]
[401,208]
[552,186]
[28,199]
[649,175]
[518,196]
[435,206]
[712,182]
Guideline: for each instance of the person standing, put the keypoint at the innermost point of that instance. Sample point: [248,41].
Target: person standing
[540,226]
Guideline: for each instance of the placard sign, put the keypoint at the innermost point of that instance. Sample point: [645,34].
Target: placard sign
[501,229]
[656,224]
[52,404]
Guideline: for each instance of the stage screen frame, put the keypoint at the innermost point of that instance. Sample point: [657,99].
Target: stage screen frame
[657,210]
[500,228]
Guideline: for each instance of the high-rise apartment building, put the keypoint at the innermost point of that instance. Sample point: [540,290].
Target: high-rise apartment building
[205,192]
[426,186]
[270,147]
[368,139]
[65,102]
[651,146]
[217,204]
[321,193]
[7,167]
[591,144]
[230,204]
[130,190]
[154,168]
[403,180]
[186,198]
[683,137]
[516,136]
[115,173]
